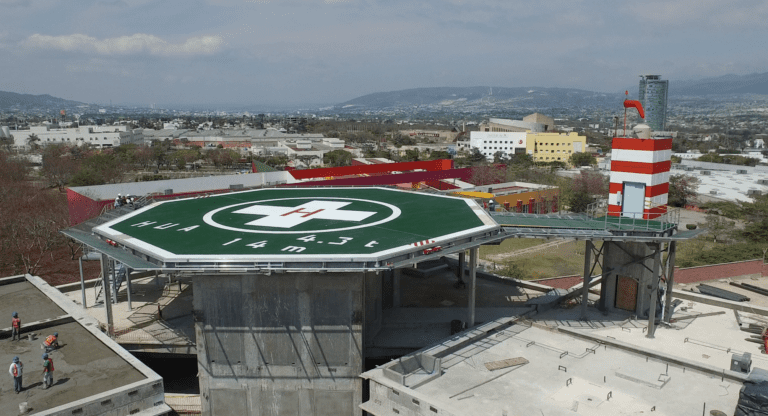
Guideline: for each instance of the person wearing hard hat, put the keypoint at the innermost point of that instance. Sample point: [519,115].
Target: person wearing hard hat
[47,371]
[15,326]
[51,342]
[15,371]
[118,200]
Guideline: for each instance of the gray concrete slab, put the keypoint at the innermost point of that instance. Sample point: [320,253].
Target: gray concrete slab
[589,380]
[93,374]
[30,303]
[84,367]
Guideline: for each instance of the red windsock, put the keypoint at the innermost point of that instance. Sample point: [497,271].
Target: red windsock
[636,104]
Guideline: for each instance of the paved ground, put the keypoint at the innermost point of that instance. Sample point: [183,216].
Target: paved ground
[84,367]
[140,324]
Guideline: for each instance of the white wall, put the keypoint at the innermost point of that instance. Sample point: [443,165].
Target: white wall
[488,142]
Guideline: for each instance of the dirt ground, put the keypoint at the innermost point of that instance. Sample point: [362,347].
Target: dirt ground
[31,304]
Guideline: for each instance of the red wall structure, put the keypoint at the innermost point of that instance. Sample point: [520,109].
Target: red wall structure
[686,275]
[430,165]
[412,177]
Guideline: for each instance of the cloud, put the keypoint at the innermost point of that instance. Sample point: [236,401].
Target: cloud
[125,45]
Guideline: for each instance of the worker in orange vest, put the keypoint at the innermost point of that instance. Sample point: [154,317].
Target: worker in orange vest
[47,371]
[765,340]
[15,370]
[51,342]
[16,327]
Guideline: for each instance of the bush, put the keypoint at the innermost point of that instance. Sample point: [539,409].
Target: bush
[690,226]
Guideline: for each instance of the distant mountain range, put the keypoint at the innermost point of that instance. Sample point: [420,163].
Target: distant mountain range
[27,101]
[724,85]
[538,97]
[452,97]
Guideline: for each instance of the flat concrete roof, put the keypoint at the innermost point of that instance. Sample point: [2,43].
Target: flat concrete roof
[605,365]
[313,226]
[90,369]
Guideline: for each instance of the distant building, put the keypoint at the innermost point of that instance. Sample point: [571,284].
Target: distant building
[96,136]
[542,147]
[653,96]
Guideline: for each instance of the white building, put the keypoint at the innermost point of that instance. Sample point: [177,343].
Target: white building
[488,143]
[96,136]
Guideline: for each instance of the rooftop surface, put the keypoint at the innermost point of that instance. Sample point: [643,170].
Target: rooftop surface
[88,366]
[605,365]
[298,225]
[727,185]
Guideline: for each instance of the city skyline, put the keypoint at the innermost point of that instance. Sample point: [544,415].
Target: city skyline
[296,52]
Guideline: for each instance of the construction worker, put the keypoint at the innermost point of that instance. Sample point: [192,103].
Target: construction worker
[47,371]
[15,370]
[118,200]
[765,340]
[16,327]
[51,342]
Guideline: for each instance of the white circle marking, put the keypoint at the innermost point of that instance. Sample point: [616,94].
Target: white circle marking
[208,218]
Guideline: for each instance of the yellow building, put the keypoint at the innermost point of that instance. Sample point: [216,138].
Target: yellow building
[554,147]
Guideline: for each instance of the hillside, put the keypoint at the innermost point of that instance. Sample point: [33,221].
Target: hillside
[10,100]
[456,97]
[724,85]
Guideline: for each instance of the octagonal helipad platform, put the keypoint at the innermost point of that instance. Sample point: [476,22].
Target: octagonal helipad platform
[320,228]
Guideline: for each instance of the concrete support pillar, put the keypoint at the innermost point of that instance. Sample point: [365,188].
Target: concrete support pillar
[82,281]
[654,290]
[157,278]
[128,287]
[462,266]
[396,288]
[107,293]
[670,281]
[587,278]
[472,285]
[608,284]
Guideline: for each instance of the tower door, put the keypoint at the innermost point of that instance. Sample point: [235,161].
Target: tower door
[634,200]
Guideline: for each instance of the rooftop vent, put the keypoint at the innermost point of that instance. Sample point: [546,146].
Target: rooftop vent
[752,192]
[741,171]
[713,192]
[762,181]
[168,192]
[706,172]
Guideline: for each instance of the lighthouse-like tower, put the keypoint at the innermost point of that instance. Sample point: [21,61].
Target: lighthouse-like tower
[639,181]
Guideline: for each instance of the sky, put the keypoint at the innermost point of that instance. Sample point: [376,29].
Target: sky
[293,52]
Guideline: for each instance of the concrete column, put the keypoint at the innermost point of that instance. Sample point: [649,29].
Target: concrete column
[82,280]
[462,265]
[472,285]
[107,293]
[608,284]
[128,286]
[587,278]
[396,288]
[670,281]
[654,290]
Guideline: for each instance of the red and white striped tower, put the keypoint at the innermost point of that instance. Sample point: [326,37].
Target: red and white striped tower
[639,181]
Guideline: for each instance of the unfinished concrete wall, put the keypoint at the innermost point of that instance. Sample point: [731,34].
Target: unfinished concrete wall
[627,286]
[289,343]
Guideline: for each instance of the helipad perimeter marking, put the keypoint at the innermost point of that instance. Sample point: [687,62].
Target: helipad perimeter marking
[208,218]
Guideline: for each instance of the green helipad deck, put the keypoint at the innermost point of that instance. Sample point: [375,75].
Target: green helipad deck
[309,228]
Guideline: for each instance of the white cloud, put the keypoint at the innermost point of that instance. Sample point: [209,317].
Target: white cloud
[126,45]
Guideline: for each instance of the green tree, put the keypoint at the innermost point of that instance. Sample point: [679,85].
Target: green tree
[337,158]
[718,226]
[582,159]
[33,140]
[682,190]
[756,214]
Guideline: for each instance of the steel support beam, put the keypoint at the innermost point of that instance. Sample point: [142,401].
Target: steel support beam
[396,274]
[128,286]
[587,278]
[654,290]
[670,280]
[462,265]
[82,281]
[472,285]
[107,294]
